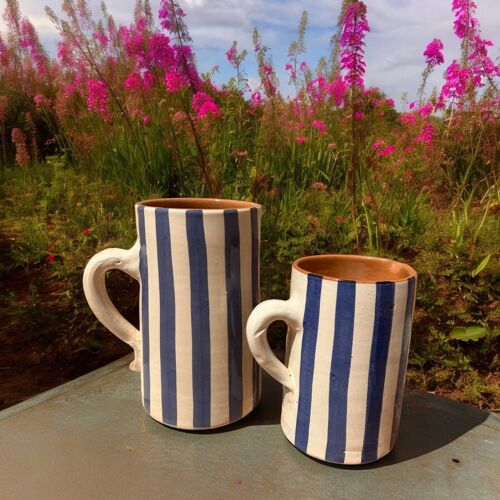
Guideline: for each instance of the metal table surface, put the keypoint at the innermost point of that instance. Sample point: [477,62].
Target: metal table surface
[91,439]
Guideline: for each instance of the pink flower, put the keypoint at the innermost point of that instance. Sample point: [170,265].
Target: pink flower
[256,98]
[303,66]
[101,37]
[427,134]
[97,98]
[171,18]
[464,17]
[320,125]
[466,27]
[433,53]
[412,104]
[134,82]
[300,140]
[41,100]
[358,115]
[231,55]
[408,149]
[457,80]
[160,53]
[389,102]
[354,28]
[337,89]
[317,88]
[146,120]
[377,144]
[204,105]
[175,81]
[425,110]
[319,186]
[387,151]
[148,80]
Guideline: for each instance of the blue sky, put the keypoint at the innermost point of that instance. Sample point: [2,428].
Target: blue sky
[400,30]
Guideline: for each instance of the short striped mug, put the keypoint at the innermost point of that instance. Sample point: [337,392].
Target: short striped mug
[349,324]
[197,261]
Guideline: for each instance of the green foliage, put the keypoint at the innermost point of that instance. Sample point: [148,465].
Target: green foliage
[466,333]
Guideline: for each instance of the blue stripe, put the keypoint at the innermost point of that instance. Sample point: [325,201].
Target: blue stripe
[167,317]
[384,307]
[234,326]
[405,346]
[339,371]
[254,214]
[143,270]
[200,318]
[308,353]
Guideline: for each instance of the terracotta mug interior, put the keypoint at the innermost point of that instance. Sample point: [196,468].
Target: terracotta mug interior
[198,204]
[358,268]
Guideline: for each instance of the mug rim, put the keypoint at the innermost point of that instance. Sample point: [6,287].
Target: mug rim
[387,267]
[206,204]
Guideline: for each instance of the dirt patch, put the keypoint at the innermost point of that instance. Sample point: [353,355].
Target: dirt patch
[47,336]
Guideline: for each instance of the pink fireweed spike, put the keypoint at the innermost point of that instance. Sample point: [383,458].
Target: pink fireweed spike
[354,28]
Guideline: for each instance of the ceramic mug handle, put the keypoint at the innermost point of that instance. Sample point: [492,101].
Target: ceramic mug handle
[94,286]
[258,323]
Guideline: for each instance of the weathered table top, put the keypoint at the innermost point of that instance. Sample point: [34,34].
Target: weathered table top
[91,439]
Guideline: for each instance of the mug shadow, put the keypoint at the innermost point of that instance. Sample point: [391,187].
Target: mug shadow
[428,423]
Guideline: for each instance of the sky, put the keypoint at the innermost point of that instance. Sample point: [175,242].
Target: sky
[399,32]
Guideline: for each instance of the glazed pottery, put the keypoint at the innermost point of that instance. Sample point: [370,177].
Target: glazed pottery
[197,261]
[349,324]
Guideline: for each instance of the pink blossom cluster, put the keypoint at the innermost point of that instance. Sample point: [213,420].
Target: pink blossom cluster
[457,80]
[256,98]
[320,125]
[101,37]
[479,65]
[382,149]
[319,89]
[434,53]
[42,101]
[354,28]
[171,18]
[293,73]
[231,55]
[175,81]
[427,134]
[204,105]
[97,97]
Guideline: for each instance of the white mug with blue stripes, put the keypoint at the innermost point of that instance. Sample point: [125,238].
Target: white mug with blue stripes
[197,261]
[349,325]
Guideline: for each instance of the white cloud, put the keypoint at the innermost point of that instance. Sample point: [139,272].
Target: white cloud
[400,30]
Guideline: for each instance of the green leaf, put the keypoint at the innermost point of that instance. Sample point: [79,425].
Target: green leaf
[481,266]
[467,333]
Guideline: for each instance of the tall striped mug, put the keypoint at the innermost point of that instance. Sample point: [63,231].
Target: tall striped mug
[349,324]
[197,261]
